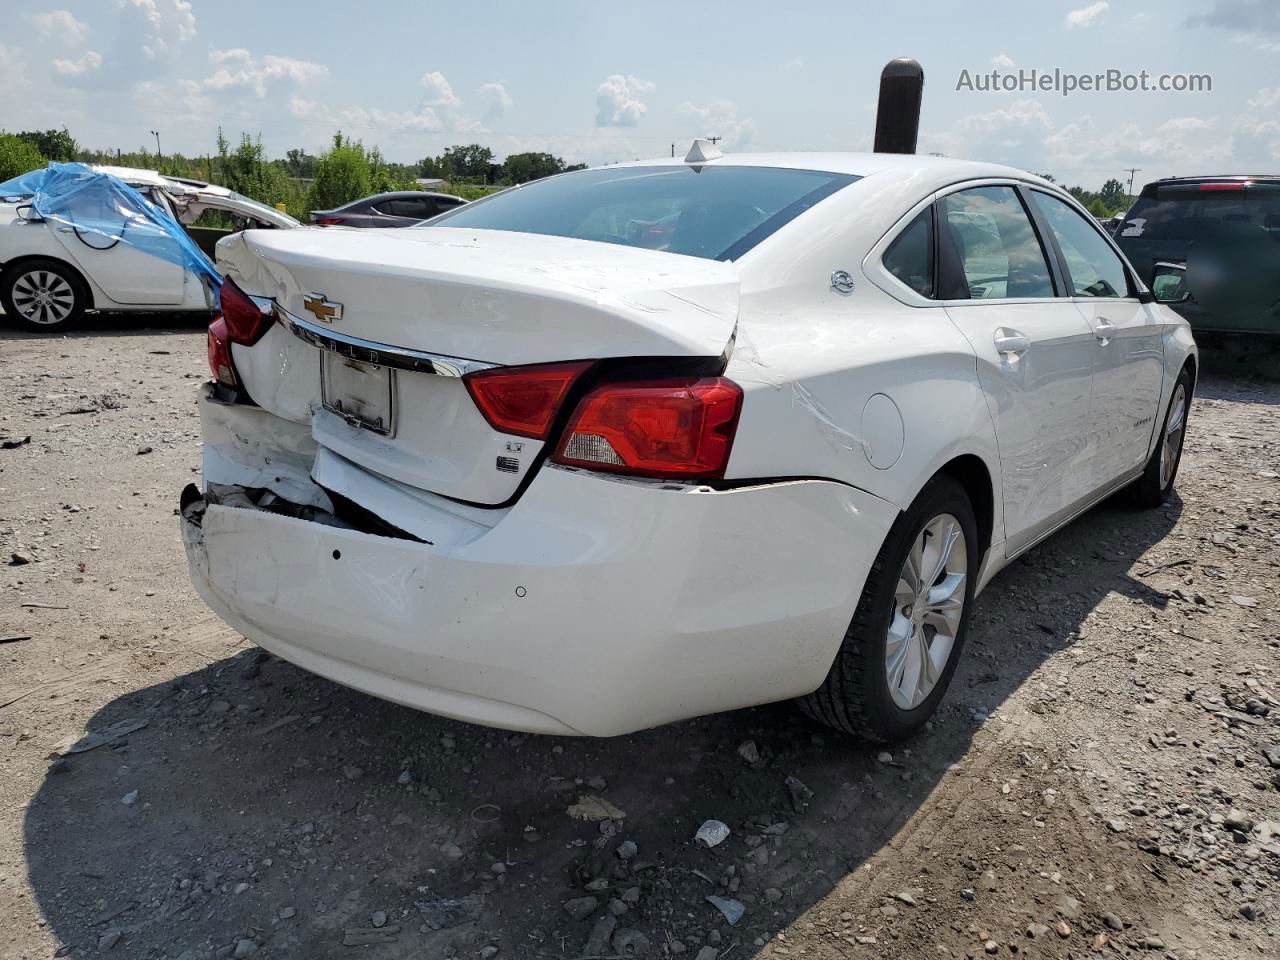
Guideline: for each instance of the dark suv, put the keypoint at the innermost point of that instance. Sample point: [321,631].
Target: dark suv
[1214,244]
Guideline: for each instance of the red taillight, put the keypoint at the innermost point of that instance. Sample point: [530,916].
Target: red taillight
[680,429]
[220,363]
[329,221]
[246,322]
[1236,186]
[523,400]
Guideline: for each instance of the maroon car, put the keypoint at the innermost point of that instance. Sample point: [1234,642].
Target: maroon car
[401,208]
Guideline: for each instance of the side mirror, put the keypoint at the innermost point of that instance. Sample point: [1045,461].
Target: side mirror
[1169,283]
[28,213]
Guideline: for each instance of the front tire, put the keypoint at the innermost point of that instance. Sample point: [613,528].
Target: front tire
[1156,483]
[43,296]
[904,641]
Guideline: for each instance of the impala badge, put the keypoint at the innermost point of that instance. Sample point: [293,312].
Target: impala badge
[323,310]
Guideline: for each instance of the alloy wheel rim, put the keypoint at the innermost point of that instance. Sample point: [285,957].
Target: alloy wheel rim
[927,608]
[43,297]
[1175,429]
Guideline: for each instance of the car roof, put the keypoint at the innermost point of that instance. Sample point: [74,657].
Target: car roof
[1220,177]
[924,169]
[1149,189]
[131,174]
[153,178]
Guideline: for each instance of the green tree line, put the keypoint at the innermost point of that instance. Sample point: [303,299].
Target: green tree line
[349,170]
[302,181]
[1107,202]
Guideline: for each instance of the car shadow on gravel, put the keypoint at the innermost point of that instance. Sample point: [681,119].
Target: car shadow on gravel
[1244,371]
[114,325]
[265,812]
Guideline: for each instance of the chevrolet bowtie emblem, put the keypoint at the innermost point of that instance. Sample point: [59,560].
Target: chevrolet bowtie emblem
[323,310]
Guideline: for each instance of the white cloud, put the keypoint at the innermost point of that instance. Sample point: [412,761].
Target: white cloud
[1268,98]
[1022,121]
[238,71]
[371,120]
[62,25]
[618,101]
[12,75]
[1002,60]
[1244,16]
[439,92]
[1258,43]
[1086,17]
[1087,150]
[76,69]
[496,100]
[1086,145]
[161,24]
[719,118]
[1187,123]
[144,40]
[795,63]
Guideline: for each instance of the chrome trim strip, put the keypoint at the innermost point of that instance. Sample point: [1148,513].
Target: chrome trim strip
[380,354]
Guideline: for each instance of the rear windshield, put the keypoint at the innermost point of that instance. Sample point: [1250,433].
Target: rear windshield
[1182,212]
[718,213]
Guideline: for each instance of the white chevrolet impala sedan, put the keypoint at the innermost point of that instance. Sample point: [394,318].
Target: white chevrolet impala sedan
[639,443]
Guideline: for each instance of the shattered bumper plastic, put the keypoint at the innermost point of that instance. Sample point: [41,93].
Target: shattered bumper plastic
[591,606]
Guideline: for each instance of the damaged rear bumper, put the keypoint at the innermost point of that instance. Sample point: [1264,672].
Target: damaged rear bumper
[592,606]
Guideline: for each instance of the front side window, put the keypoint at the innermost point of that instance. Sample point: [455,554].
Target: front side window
[910,256]
[996,245]
[1096,270]
[718,213]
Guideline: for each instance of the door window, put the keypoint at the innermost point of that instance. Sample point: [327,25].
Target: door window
[910,256]
[995,245]
[1096,270]
[407,207]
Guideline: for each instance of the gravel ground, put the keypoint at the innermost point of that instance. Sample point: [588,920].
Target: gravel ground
[1096,783]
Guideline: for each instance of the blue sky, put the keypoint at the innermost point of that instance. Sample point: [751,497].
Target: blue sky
[600,82]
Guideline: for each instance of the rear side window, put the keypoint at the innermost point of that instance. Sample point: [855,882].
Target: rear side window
[1096,270]
[910,256]
[715,212]
[407,207]
[995,245]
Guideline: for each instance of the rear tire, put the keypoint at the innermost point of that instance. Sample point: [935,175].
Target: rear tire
[906,626]
[43,296]
[1156,483]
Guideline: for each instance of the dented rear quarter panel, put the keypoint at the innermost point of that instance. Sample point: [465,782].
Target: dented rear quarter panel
[810,358]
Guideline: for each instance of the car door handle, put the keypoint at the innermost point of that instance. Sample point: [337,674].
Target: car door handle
[1104,331]
[1011,343]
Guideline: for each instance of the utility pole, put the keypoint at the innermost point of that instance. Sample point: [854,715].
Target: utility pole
[156,134]
[673,151]
[714,139]
[1132,171]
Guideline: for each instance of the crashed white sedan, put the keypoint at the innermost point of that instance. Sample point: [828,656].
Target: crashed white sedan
[645,442]
[101,255]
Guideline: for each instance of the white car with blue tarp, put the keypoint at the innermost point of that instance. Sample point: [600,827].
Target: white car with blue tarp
[75,238]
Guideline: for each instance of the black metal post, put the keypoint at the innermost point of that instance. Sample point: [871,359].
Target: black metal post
[898,112]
